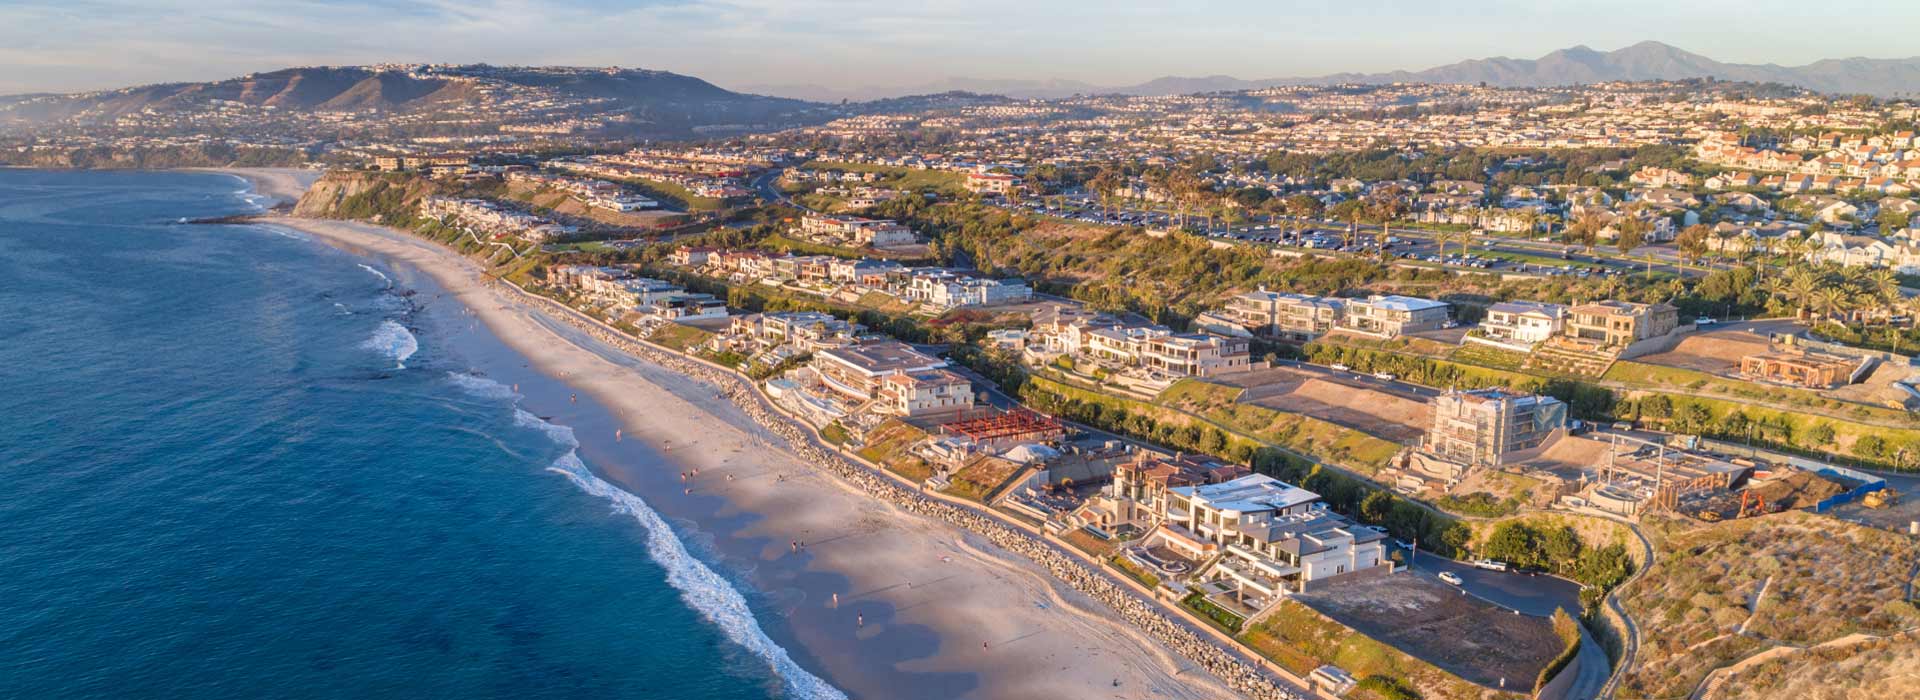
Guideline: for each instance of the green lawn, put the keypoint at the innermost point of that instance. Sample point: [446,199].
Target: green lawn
[679,337]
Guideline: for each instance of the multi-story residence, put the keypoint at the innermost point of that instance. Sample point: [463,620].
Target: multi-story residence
[869,273]
[1274,537]
[1196,355]
[855,230]
[992,183]
[1139,491]
[691,256]
[1479,428]
[1523,322]
[1394,315]
[858,371]
[807,330]
[681,306]
[1122,344]
[1284,315]
[946,289]
[925,393]
[1621,323]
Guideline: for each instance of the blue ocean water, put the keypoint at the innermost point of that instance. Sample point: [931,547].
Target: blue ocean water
[237,463]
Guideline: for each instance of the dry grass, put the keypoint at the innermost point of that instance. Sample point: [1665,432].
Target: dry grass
[1887,668]
[1827,579]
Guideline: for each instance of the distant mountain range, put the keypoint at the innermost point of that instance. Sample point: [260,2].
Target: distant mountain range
[1647,60]
[649,102]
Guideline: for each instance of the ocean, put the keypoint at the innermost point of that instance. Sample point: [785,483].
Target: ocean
[240,463]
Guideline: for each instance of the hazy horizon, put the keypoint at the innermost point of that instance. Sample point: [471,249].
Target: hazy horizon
[870,45]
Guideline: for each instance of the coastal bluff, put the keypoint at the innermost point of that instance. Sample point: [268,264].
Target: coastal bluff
[349,194]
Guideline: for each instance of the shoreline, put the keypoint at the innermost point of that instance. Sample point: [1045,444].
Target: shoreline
[1066,642]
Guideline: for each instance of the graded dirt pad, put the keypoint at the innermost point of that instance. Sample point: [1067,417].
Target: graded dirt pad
[1433,622]
[1566,457]
[1375,413]
[1878,388]
[1714,352]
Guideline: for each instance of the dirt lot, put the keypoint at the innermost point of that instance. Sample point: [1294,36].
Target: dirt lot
[1878,388]
[1715,352]
[1468,637]
[1377,413]
[1567,457]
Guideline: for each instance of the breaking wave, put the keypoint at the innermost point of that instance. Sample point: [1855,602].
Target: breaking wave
[483,387]
[382,275]
[700,586]
[394,341]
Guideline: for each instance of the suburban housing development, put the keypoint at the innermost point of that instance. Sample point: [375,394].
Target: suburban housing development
[1366,389]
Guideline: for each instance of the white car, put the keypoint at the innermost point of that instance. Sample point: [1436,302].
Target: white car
[1339,367]
[1704,321]
[1383,376]
[1489,564]
[1451,577]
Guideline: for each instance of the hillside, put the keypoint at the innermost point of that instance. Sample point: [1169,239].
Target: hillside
[1647,60]
[628,101]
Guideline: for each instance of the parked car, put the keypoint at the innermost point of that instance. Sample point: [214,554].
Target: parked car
[1489,564]
[1452,578]
[1339,367]
[1704,321]
[1383,376]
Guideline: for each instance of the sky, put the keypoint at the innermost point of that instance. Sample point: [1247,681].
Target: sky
[75,45]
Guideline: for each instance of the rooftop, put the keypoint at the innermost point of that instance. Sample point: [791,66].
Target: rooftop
[1250,494]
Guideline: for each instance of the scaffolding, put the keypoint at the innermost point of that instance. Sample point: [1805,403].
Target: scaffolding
[1018,425]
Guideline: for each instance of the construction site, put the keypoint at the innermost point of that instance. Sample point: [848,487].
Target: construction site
[1362,406]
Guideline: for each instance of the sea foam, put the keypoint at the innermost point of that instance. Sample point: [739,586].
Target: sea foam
[394,341]
[382,275]
[485,388]
[700,586]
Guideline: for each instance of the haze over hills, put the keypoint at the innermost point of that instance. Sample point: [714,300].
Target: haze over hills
[1647,60]
[650,102]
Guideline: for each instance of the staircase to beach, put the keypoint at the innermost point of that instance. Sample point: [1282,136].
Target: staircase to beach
[1580,358]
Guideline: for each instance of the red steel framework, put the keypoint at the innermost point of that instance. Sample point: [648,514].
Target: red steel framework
[1017,423]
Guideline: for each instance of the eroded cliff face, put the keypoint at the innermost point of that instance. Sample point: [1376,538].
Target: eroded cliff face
[353,194]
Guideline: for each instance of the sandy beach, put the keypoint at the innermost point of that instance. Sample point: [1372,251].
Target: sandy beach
[925,609]
[284,185]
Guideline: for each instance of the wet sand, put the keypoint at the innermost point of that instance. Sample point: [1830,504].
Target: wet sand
[926,609]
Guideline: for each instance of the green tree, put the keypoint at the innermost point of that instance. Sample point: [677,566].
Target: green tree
[1376,507]
[1870,447]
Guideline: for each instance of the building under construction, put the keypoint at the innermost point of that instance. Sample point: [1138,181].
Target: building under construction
[993,428]
[1639,475]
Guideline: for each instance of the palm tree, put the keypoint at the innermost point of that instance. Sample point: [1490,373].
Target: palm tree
[1882,286]
[1104,183]
[1799,288]
[1830,301]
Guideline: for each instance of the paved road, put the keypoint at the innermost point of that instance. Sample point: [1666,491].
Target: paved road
[1532,595]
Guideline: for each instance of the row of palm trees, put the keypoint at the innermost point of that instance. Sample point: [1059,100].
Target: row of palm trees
[1841,294]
